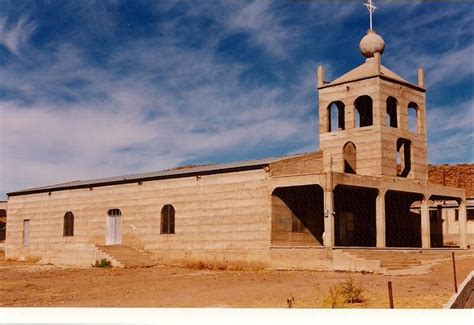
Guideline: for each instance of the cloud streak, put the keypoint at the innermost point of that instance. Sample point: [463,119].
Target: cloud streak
[16,36]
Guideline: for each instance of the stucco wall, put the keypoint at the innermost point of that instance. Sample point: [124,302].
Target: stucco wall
[222,217]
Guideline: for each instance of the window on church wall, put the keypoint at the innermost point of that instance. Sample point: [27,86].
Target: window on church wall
[336,116]
[167,219]
[68,229]
[392,112]
[413,117]
[470,214]
[403,157]
[349,155]
[364,111]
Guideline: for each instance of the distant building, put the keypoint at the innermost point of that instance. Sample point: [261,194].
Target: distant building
[3,220]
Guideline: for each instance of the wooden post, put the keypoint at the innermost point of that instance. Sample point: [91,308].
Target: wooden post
[454,274]
[390,294]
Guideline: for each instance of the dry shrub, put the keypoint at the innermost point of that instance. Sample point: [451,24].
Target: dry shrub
[200,265]
[351,291]
[103,264]
[346,292]
[334,299]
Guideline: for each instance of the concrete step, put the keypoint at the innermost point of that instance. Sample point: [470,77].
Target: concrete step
[128,256]
[400,259]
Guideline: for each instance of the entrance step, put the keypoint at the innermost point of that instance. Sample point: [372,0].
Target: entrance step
[128,257]
[400,260]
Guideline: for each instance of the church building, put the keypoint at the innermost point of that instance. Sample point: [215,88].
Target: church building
[366,189]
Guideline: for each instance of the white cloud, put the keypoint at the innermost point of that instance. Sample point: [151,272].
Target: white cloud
[15,36]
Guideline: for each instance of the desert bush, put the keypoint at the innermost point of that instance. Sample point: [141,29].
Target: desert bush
[346,292]
[334,299]
[103,264]
[351,291]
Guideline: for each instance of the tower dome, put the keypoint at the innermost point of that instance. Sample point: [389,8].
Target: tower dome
[371,43]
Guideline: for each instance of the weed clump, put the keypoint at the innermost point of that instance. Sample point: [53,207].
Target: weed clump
[334,298]
[351,291]
[103,264]
[346,292]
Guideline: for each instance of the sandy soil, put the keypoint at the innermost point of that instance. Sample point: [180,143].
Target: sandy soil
[30,285]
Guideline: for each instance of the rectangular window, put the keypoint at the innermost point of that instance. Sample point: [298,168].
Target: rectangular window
[470,214]
[26,232]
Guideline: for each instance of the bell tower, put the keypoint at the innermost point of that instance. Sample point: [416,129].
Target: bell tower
[372,122]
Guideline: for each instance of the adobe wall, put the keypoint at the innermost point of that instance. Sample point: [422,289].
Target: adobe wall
[222,217]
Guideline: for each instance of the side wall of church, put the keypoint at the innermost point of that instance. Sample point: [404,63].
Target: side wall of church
[221,217]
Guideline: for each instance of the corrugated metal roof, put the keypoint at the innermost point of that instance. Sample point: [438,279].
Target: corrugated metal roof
[170,173]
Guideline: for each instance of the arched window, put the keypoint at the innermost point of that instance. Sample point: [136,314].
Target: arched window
[68,230]
[336,116]
[412,117]
[363,107]
[392,112]
[403,157]
[167,219]
[349,155]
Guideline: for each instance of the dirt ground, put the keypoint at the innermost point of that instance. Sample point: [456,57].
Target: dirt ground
[29,285]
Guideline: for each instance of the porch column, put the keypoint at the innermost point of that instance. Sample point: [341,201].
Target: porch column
[329,212]
[462,224]
[425,223]
[380,219]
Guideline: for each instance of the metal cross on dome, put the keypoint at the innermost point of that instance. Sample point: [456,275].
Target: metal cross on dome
[371,7]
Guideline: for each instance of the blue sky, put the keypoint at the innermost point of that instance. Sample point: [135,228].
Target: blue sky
[100,88]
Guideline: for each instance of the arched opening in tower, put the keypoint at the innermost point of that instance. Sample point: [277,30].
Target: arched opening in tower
[413,117]
[392,112]
[349,155]
[364,109]
[336,115]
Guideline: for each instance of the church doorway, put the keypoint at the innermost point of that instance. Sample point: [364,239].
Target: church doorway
[114,227]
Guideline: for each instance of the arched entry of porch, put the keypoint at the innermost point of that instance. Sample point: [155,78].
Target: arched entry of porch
[298,216]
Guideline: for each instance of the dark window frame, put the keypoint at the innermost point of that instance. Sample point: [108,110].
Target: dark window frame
[469,214]
[68,224]
[167,223]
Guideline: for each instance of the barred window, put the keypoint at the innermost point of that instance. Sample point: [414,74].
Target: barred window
[167,219]
[68,230]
